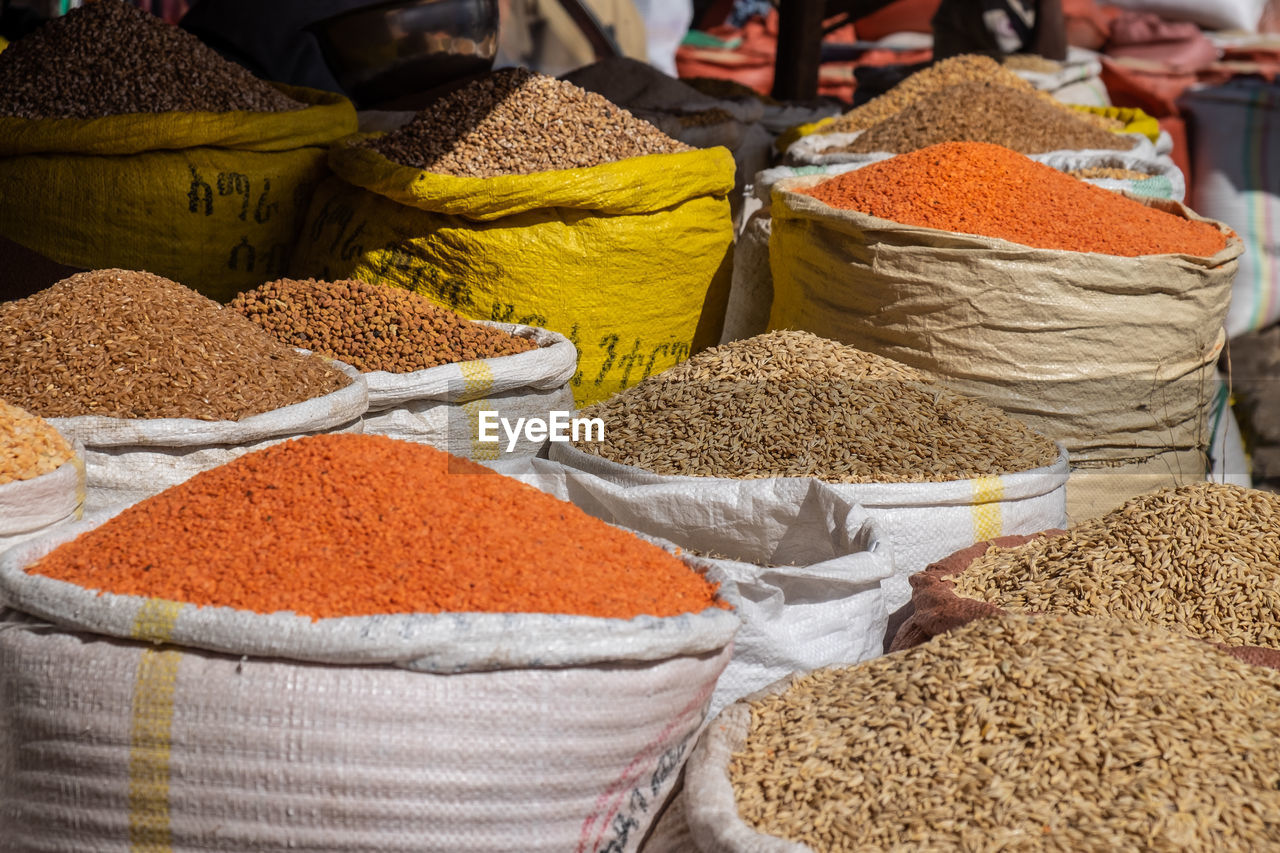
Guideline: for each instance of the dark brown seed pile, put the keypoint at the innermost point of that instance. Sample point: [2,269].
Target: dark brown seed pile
[986,112]
[110,58]
[515,122]
[966,68]
[371,327]
[134,345]
[790,404]
[1022,733]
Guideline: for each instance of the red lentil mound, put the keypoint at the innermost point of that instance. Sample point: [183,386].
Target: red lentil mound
[991,191]
[354,525]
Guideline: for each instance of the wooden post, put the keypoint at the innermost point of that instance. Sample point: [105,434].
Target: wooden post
[795,75]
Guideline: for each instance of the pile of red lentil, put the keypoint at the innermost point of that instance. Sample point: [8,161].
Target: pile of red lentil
[984,189]
[354,525]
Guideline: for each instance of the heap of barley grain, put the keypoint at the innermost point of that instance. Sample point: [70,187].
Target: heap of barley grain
[789,404]
[1045,733]
[1203,559]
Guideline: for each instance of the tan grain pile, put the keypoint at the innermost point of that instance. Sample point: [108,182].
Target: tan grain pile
[29,447]
[131,344]
[1202,559]
[1030,62]
[1022,733]
[110,58]
[1109,172]
[966,68]
[986,112]
[371,327]
[516,122]
[789,404]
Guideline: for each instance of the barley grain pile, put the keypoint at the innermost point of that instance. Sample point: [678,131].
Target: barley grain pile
[371,327]
[789,404]
[516,122]
[110,58]
[986,112]
[29,447]
[966,68]
[131,344]
[1109,172]
[1202,559]
[1022,733]
[1030,62]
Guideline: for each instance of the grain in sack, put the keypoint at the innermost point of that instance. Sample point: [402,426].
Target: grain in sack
[434,377]
[205,184]
[41,477]
[550,207]
[158,382]
[769,415]
[1027,732]
[317,645]
[1202,560]
[1096,319]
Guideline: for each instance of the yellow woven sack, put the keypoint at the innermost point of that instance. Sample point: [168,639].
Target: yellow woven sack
[212,200]
[629,260]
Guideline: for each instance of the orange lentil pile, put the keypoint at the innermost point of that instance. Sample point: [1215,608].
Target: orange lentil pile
[355,525]
[984,189]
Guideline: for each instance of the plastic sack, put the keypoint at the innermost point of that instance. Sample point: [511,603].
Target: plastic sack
[1237,169]
[213,200]
[808,563]
[30,508]
[710,806]
[128,459]
[442,406]
[751,292]
[1112,356]
[918,522]
[249,732]
[629,260]
[1219,15]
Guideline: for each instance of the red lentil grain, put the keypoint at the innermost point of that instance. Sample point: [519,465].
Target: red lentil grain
[984,189]
[354,525]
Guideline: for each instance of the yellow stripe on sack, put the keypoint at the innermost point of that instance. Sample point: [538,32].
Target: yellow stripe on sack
[477,378]
[987,517]
[150,732]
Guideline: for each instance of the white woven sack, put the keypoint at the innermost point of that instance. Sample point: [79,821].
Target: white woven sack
[807,562]
[1215,15]
[1078,81]
[396,734]
[440,406]
[709,806]
[918,522]
[1166,181]
[816,150]
[1237,169]
[29,508]
[127,460]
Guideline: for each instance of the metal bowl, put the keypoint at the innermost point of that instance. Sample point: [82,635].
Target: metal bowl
[392,50]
